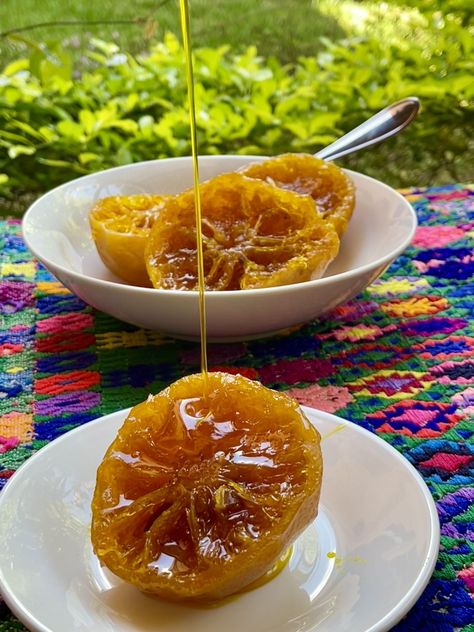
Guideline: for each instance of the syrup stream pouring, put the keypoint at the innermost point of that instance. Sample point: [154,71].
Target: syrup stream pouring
[382,125]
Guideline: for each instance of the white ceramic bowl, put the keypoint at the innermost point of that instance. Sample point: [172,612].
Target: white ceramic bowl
[56,230]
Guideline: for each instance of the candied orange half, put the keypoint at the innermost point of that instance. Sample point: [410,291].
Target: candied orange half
[329,186]
[254,235]
[198,496]
[120,227]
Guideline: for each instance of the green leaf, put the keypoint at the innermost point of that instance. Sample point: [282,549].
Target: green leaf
[15,67]
[28,129]
[108,48]
[124,157]
[72,130]
[323,121]
[87,120]
[51,63]
[47,134]
[87,156]
[10,136]
[62,164]
[18,150]
[297,128]
[126,125]
[132,100]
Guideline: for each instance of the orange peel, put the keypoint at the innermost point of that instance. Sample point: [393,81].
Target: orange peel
[120,227]
[328,185]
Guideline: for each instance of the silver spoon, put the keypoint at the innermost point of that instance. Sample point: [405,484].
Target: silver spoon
[382,125]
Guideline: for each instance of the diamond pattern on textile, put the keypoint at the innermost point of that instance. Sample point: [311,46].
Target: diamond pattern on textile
[397,360]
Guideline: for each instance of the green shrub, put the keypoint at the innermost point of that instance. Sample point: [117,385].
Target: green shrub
[58,123]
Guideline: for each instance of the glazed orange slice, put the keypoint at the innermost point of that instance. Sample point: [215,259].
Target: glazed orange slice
[329,186]
[198,496]
[254,235]
[120,227]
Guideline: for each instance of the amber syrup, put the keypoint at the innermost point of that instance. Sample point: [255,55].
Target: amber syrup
[186,33]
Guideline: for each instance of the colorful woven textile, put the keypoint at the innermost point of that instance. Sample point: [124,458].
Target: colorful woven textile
[398,360]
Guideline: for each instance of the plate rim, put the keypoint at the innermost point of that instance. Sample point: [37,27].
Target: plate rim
[384,624]
[192,294]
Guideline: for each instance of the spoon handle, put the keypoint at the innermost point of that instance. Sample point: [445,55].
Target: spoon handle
[382,125]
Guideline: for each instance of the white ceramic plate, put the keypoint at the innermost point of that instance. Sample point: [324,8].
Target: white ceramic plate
[56,230]
[377,522]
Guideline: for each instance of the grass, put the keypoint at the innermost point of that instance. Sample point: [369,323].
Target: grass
[283,28]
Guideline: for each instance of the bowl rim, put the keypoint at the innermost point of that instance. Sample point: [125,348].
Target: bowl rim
[193,294]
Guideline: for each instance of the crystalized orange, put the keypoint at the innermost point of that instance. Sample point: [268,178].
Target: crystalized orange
[197,496]
[255,235]
[120,227]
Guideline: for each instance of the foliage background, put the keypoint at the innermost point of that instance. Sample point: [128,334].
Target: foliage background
[272,76]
